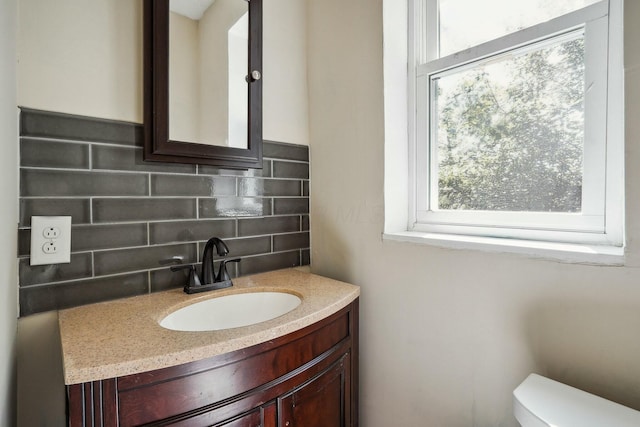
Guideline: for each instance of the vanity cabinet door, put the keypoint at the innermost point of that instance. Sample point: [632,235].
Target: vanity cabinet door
[323,401]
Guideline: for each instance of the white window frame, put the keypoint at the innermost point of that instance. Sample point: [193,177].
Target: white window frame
[602,226]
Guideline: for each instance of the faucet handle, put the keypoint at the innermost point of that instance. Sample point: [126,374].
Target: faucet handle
[223,274]
[194,280]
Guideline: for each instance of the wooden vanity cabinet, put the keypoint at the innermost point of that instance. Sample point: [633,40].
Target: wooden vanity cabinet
[307,378]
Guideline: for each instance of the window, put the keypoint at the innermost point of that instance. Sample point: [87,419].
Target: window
[517,131]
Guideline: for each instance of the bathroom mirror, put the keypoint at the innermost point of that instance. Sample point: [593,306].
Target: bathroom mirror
[203,82]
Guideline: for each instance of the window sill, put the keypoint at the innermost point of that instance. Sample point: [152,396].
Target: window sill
[561,252]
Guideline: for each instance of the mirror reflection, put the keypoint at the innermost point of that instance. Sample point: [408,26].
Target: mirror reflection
[208,63]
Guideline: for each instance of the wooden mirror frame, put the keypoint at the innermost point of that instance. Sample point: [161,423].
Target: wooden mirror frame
[158,147]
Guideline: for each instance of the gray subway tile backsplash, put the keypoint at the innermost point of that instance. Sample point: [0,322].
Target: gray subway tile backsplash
[95,237]
[214,170]
[52,183]
[299,205]
[143,258]
[165,279]
[268,225]
[78,209]
[131,218]
[35,299]
[46,124]
[110,157]
[269,262]
[222,207]
[290,170]
[190,231]
[53,154]
[24,242]
[186,185]
[269,187]
[286,242]
[78,268]
[305,257]
[285,151]
[141,209]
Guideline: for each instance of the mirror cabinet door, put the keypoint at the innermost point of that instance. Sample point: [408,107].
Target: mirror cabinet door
[203,82]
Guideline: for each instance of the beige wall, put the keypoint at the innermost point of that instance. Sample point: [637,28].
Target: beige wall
[446,335]
[9,211]
[85,57]
[285,94]
[81,57]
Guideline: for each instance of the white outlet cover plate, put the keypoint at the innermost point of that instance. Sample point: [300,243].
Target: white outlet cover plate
[38,240]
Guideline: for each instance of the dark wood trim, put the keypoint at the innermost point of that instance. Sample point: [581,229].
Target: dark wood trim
[99,403]
[157,145]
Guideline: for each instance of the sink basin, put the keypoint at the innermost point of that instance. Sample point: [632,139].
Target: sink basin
[231,311]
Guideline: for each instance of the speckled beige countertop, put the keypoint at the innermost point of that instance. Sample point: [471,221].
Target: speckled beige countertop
[123,337]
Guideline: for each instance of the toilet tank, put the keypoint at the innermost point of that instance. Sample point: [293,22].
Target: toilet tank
[541,402]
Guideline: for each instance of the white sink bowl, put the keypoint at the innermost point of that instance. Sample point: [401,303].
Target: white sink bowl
[231,311]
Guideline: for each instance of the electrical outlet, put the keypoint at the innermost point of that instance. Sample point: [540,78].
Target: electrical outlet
[50,240]
[51,233]
[50,248]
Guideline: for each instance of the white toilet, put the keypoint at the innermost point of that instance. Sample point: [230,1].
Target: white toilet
[541,402]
